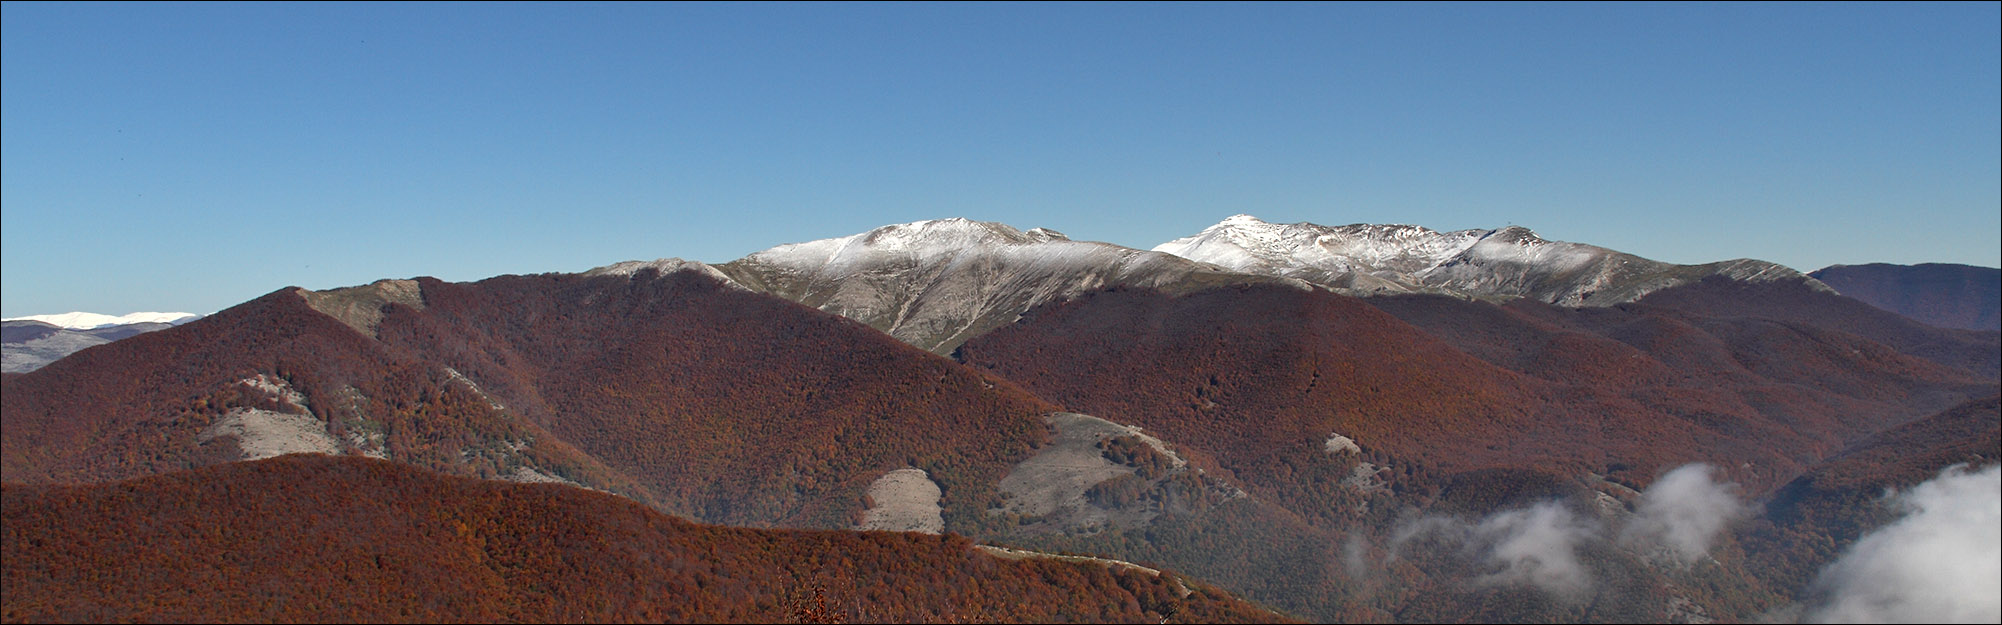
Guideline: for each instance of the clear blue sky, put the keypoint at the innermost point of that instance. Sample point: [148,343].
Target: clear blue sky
[190,157]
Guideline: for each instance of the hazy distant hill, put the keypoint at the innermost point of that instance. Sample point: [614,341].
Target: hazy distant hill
[1945,295]
[31,342]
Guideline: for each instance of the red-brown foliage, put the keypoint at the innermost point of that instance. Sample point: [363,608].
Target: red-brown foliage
[136,407]
[1248,374]
[715,403]
[316,538]
[729,406]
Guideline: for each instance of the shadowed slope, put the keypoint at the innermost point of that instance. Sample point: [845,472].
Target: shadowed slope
[1963,297]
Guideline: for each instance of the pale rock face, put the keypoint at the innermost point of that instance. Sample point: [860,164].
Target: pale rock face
[1049,490]
[935,284]
[905,500]
[1365,259]
[265,433]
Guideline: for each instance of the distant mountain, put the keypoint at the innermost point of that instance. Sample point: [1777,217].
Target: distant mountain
[36,340]
[91,321]
[935,284]
[307,538]
[1949,296]
[1508,262]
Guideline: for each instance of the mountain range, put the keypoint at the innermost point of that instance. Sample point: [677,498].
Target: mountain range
[1505,428]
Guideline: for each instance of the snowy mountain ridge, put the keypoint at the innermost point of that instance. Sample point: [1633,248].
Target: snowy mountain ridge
[1513,261]
[936,283]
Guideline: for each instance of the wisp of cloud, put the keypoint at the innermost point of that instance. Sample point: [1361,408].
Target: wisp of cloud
[1537,546]
[1683,511]
[1940,563]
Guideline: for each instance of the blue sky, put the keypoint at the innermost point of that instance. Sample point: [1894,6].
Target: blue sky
[190,157]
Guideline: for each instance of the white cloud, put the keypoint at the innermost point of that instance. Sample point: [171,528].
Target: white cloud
[1537,546]
[1940,563]
[1683,511]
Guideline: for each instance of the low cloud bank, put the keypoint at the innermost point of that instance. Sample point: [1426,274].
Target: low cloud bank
[1940,563]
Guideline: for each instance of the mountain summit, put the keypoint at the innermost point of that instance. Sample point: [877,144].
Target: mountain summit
[1505,262]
